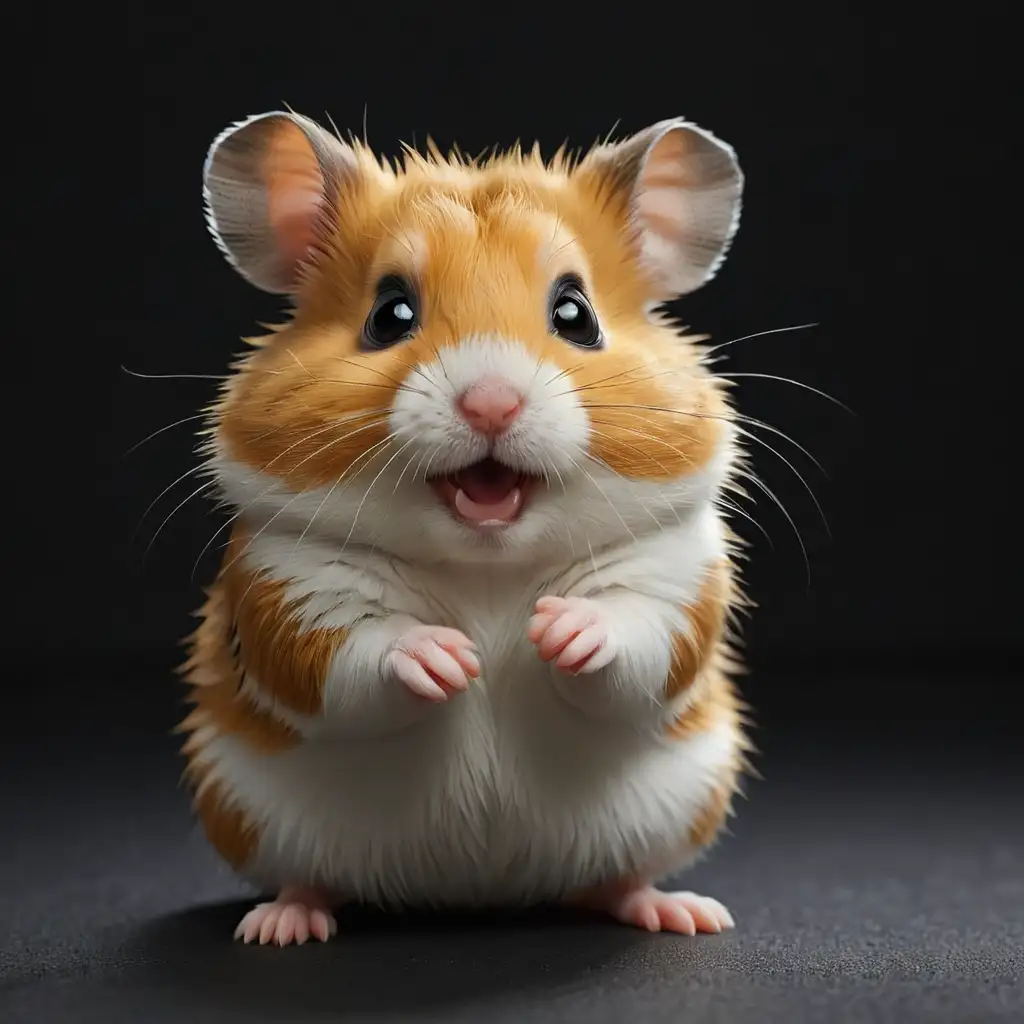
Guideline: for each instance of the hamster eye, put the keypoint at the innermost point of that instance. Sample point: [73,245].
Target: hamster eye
[572,317]
[394,316]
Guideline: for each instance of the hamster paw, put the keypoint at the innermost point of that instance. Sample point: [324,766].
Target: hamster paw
[656,911]
[295,916]
[434,661]
[573,632]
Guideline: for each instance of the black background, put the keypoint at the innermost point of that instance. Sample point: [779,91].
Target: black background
[863,214]
[876,188]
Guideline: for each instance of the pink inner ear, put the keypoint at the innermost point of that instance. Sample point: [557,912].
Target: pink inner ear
[661,196]
[293,214]
[295,188]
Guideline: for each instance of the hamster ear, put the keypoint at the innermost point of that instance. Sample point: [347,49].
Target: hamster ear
[269,183]
[682,188]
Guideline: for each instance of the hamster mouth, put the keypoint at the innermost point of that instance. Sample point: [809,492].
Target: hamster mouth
[487,493]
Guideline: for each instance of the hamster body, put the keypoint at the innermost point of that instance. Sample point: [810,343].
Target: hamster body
[469,641]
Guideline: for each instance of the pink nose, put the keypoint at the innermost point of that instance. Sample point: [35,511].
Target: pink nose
[490,406]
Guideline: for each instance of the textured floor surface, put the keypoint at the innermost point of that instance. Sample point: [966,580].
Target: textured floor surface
[877,880]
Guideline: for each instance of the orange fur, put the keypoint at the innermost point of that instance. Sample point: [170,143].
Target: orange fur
[482,243]
[220,710]
[714,703]
[707,615]
[214,679]
[708,823]
[227,828]
[287,662]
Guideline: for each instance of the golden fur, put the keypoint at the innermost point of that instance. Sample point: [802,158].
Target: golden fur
[307,406]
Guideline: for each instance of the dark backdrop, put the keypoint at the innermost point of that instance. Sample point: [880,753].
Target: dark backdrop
[870,209]
[876,873]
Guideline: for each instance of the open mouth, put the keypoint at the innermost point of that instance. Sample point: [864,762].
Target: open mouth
[487,493]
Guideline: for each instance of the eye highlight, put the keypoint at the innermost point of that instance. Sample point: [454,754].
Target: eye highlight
[393,317]
[571,316]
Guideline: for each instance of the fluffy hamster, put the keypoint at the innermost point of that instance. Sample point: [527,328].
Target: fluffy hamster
[469,641]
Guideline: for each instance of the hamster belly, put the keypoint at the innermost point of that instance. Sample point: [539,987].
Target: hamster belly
[505,796]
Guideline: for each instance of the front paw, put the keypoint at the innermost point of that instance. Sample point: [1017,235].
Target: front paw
[574,632]
[434,661]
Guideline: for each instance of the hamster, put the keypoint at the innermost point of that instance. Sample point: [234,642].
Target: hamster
[471,640]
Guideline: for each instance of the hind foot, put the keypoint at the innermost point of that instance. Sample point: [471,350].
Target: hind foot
[643,906]
[296,915]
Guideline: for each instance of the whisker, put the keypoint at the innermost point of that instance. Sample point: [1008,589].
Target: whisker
[797,383]
[181,504]
[355,383]
[759,483]
[629,483]
[796,473]
[413,368]
[149,508]
[751,421]
[391,504]
[368,384]
[564,373]
[685,437]
[596,385]
[563,246]
[405,469]
[157,433]
[762,486]
[319,508]
[601,491]
[291,501]
[759,334]
[172,376]
[426,468]
[554,235]
[647,437]
[440,362]
[404,244]
[738,510]
[706,416]
[536,373]
[367,366]
[362,502]
[323,430]
[240,512]
[554,467]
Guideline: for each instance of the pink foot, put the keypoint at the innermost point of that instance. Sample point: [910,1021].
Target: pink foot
[647,907]
[294,916]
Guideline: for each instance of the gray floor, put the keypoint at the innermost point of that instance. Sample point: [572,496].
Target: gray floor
[870,885]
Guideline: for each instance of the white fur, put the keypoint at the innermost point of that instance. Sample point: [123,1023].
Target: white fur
[529,785]
[385,505]
[507,792]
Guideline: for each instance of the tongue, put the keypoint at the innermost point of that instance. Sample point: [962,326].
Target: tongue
[487,492]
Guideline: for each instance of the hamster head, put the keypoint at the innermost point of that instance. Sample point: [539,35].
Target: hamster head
[474,369]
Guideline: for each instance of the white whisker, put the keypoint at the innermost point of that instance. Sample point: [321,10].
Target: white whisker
[157,433]
[795,383]
[760,334]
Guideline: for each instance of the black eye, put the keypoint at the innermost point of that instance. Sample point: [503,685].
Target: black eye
[394,316]
[572,317]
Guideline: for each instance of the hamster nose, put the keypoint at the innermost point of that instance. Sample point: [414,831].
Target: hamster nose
[490,406]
